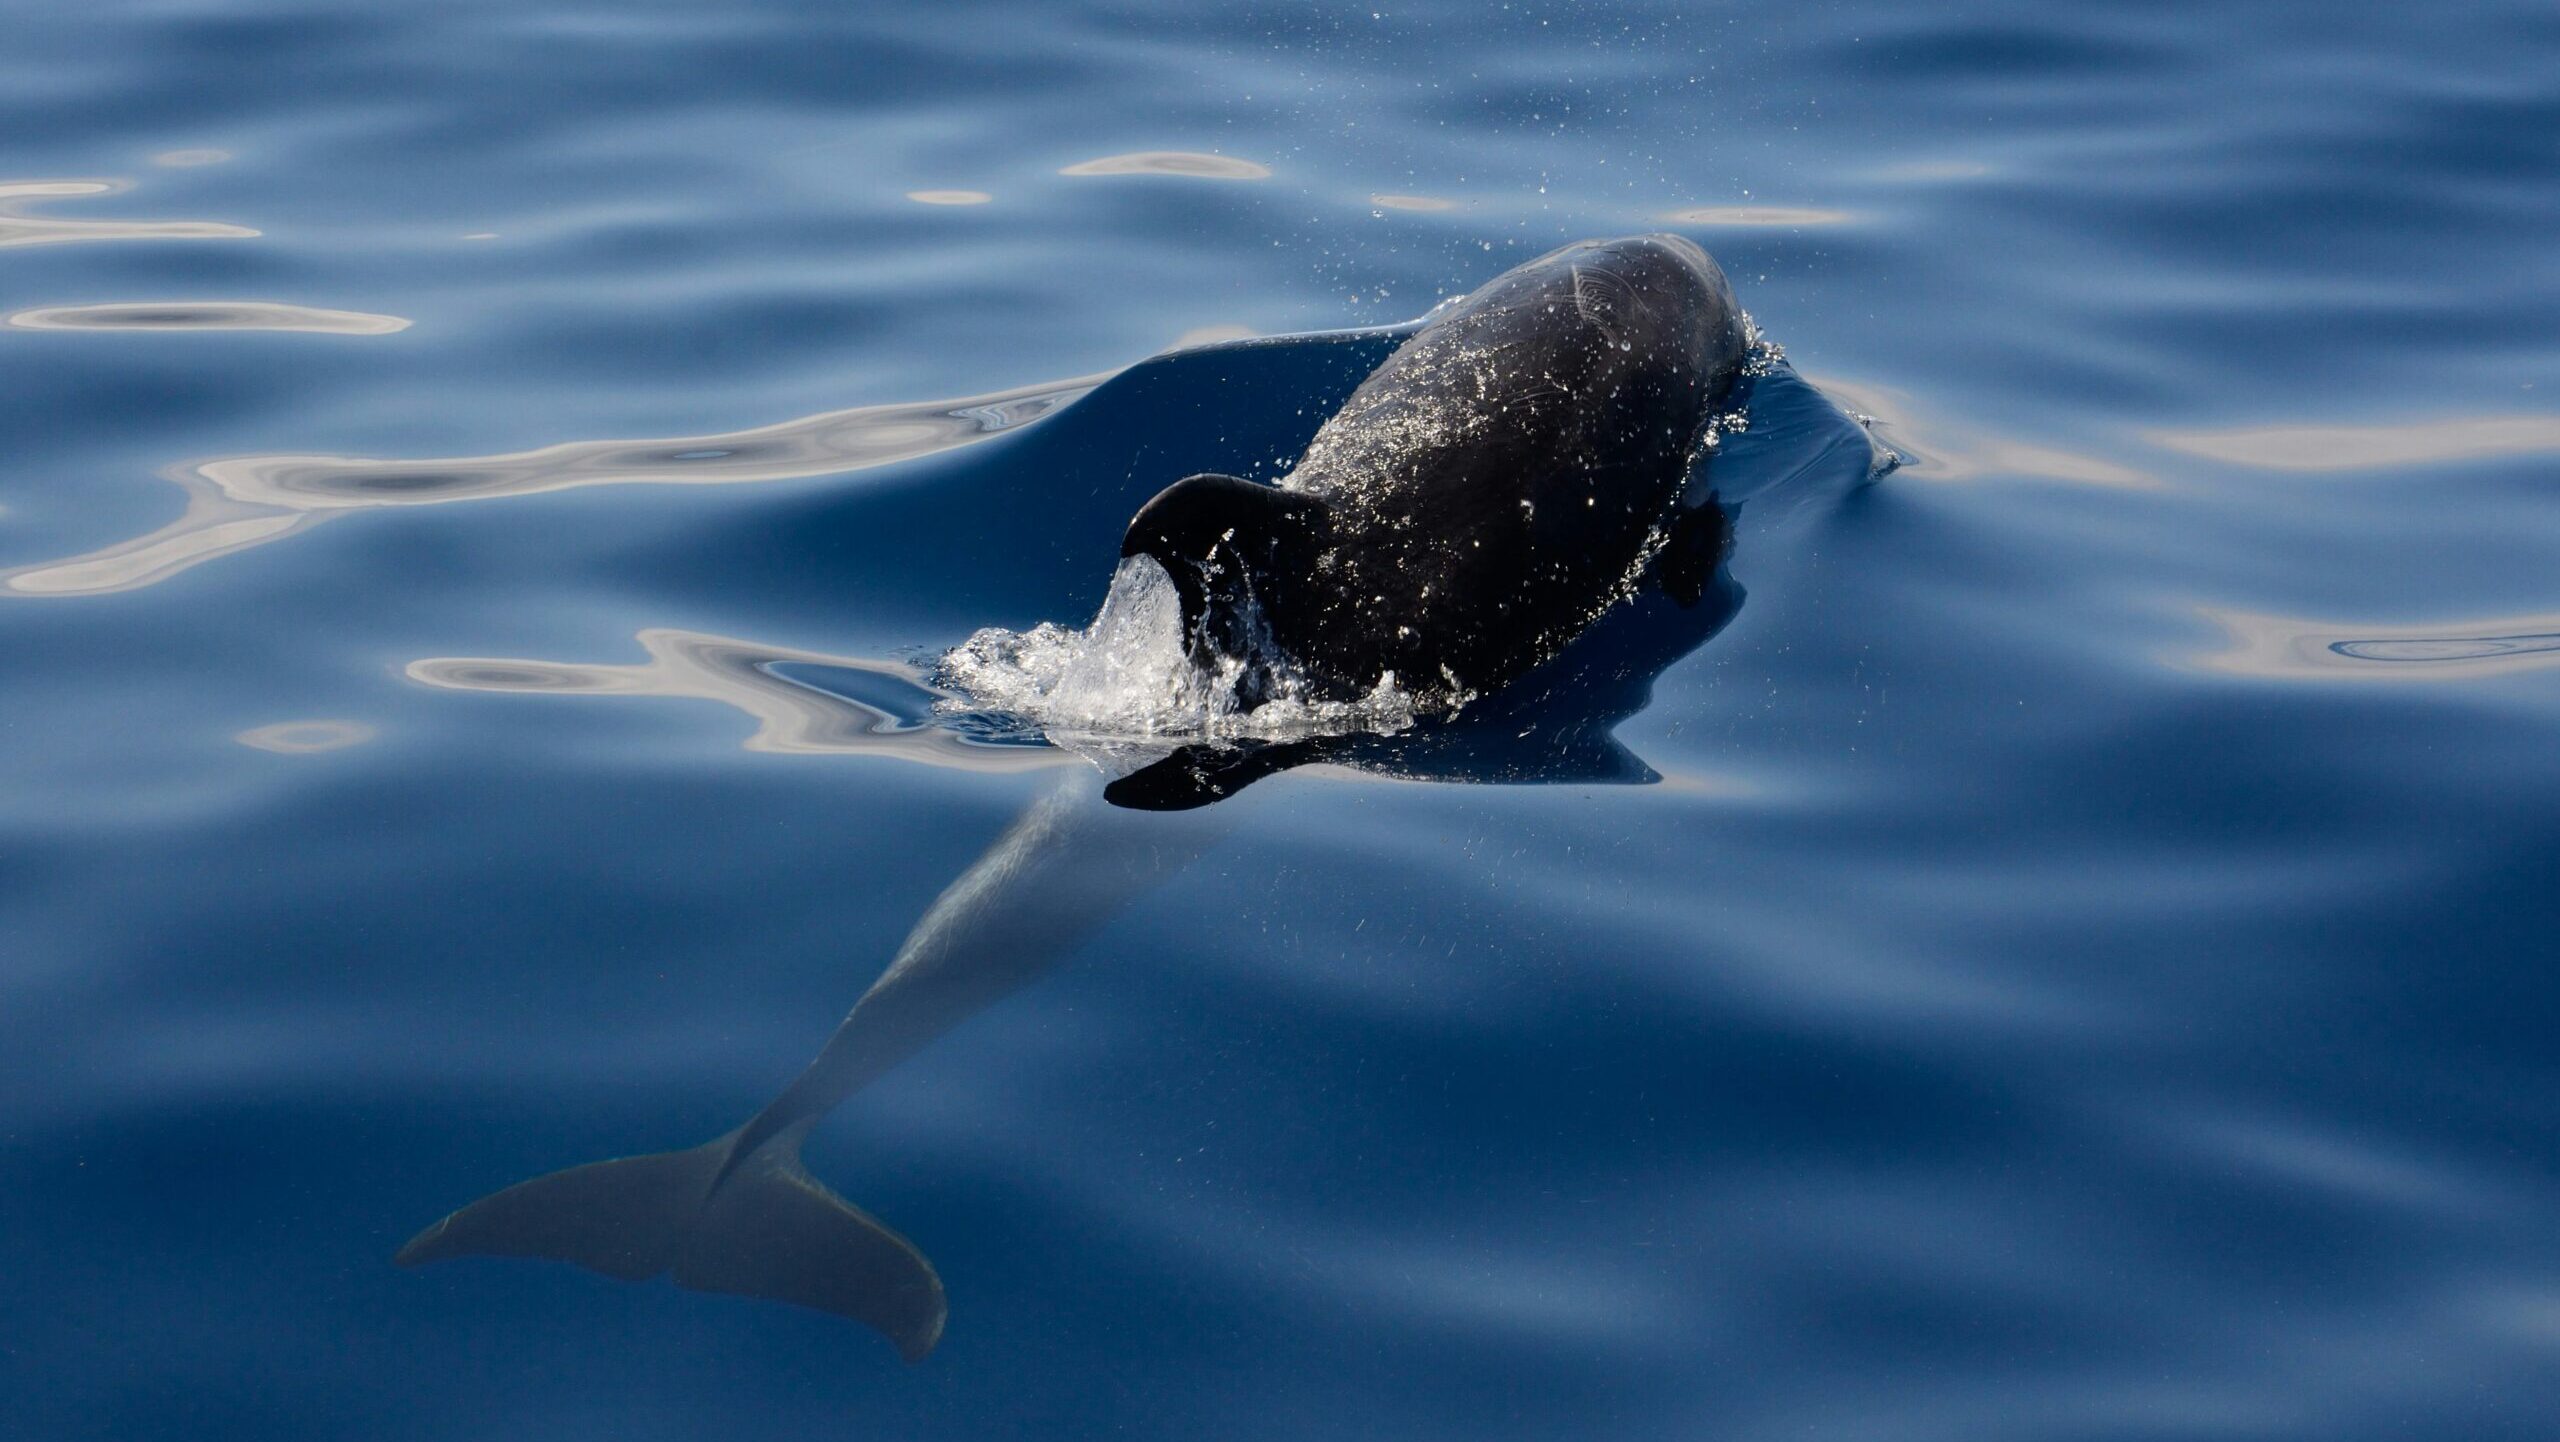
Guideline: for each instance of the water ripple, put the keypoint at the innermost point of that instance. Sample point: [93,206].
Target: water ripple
[2369,447]
[2296,648]
[19,228]
[1956,452]
[1756,215]
[207,315]
[1188,163]
[294,738]
[864,706]
[244,501]
[1390,201]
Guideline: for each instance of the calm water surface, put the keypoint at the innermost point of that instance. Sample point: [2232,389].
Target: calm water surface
[2071,957]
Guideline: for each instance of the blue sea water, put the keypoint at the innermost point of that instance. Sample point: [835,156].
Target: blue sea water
[2065,952]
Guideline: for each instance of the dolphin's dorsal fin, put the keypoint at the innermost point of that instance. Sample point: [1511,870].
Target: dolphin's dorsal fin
[1223,539]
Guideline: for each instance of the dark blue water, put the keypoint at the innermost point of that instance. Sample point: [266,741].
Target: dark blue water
[2060,949]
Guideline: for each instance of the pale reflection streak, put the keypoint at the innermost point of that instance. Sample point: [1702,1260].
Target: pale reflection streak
[1187,163]
[2297,648]
[1201,335]
[1954,452]
[792,718]
[1756,215]
[297,738]
[245,501]
[1932,170]
[2367,447]
[19,228]
[165,315]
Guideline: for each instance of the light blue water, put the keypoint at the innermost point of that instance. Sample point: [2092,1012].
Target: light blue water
[2080,967]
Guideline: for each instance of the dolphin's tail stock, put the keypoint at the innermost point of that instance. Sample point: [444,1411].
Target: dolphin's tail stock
[753,1223]
[738,1214]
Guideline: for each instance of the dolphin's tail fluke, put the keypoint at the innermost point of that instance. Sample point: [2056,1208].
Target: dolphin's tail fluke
[757,1225]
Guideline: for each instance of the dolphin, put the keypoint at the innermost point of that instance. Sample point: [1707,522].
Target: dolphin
[1482,497]
[1507,474]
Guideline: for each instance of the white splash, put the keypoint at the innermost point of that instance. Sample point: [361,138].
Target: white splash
[1126,677]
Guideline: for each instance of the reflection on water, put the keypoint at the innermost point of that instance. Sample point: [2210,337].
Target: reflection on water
[1201,335]
[212,525]
[819,445]
[949,197]
[804,702]
[1755,215]
[244,501]
[1172,162]
[299,737]
[19,228]
[1953,451]
[1412,202]
[2353,448]
[2296,648]
[185,159]
[207,315]
[1924,170]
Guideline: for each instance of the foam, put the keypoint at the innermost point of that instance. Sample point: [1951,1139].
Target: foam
[1126,677]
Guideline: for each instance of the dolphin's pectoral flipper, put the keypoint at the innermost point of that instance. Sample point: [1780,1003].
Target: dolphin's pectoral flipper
[1196,775]
[756,1226]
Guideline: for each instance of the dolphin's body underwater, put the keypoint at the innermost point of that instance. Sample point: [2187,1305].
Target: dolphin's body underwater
[738,1213]
[1481,498]
[1514,468]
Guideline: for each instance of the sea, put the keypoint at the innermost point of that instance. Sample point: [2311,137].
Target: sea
[545,544]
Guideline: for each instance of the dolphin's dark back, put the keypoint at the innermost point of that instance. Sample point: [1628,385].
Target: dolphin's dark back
[1486,492]
[1506,466]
